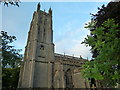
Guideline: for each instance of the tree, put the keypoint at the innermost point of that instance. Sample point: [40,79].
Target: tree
[10,2]
[105,65]
[111,11]
[11,62]
[11,56]
[104,41]
[10,77]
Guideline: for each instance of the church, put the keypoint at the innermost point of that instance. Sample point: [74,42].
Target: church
[42,68]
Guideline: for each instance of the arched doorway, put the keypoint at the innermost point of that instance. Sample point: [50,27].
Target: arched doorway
[69,81]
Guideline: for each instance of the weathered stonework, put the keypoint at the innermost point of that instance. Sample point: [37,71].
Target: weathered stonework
[42,68]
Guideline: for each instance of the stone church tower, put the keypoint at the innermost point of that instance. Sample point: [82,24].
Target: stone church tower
[39,52]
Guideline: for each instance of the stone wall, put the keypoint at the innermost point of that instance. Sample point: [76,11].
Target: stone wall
[67,72]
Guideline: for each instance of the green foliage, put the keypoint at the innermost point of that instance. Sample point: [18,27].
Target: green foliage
[106,65]
[10,78]
[91,71]
[10,63]
[111,11]
[11,56]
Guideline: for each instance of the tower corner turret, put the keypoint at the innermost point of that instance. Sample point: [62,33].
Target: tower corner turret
[38,6]
[50,11]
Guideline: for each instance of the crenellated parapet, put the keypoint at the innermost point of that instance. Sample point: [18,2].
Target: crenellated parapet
[69,60]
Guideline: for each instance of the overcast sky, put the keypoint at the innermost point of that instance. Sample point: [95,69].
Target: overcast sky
[68,24]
